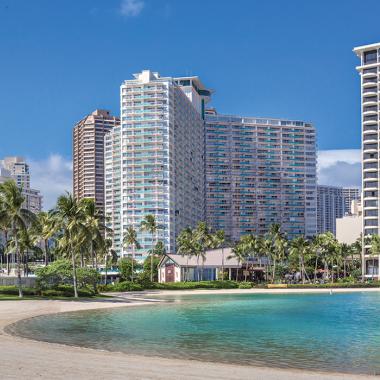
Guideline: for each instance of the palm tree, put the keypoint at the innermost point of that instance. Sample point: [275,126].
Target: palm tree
[149,224]
[219,242]
[130,241]
[95,228]
[203,241]
[110,256]
[72,221]
[300,248]
[375,249]
[186,246]
[325,244]
[277,246]
[44,228]
[12,211]
[5,226]
[240,253]
[344,253]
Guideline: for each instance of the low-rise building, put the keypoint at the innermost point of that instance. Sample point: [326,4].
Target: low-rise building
[176,268]
[349,227]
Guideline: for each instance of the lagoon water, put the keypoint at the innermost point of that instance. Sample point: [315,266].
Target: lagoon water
[336,333]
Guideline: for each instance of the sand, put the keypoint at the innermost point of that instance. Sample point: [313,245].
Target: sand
[26,359]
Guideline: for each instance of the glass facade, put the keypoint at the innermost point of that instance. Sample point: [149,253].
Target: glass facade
[260,172]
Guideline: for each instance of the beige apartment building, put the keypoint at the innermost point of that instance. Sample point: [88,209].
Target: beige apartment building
[88,155]
[17,169]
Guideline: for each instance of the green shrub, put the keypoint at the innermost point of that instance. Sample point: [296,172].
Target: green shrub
[143,279]
[124,286]
[245,285]
[13,290]
[60,273]
[197,285]
[66,291]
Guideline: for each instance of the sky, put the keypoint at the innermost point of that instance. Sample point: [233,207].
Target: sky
[61,59]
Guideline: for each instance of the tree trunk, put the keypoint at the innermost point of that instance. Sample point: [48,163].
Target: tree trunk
[274,271]
[246,270]
[20,294]
[222,264]
[92,254]
[151,266]
[6,245]
[151,259]
[198,268]
[46,252]
[315,270]
[74,268]
[132,263]
[105,275]
[344,269]
[8,264]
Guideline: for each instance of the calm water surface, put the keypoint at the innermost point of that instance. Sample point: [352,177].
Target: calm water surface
[339,332]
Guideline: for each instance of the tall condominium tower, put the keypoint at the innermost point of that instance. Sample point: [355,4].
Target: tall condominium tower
[17,169]
[260,172]
[155,159]
[369,74]
[350,194]
[88,155]
[330,206]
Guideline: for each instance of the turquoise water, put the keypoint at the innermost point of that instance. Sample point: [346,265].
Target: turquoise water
[339,332]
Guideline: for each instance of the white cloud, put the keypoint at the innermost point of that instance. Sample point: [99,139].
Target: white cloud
[52,176]
[340,167]
[131,8]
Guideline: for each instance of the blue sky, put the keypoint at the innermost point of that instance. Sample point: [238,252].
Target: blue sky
[292,59]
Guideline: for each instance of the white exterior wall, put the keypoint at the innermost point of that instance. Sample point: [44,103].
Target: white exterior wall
[348,228]
[154,164]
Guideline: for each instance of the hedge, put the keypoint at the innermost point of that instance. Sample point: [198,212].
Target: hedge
[13,290]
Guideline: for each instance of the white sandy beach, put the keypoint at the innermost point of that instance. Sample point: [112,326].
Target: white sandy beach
[26,359]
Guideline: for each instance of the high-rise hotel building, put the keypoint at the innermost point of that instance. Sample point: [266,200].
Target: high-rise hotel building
[154,161]
[259,172]
[88,155]
[369,71]
[330,206]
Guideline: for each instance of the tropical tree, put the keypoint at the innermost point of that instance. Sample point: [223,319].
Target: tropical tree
[202,242]
[44,228]
[344,252]
[219,239]
[150,225]
[239,251]
[277,246]
[95,229]
[300,248]
[130,241]
[110,256]
[72,222]
[326,245]
[5,226]
[375,248]
[12,212]
[186,246]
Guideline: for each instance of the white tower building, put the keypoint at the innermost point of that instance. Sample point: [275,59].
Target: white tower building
[154,162]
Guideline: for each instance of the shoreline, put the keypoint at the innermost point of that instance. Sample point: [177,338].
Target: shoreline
[58,361]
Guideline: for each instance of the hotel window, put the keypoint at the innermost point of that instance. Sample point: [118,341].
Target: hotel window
[370,57]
